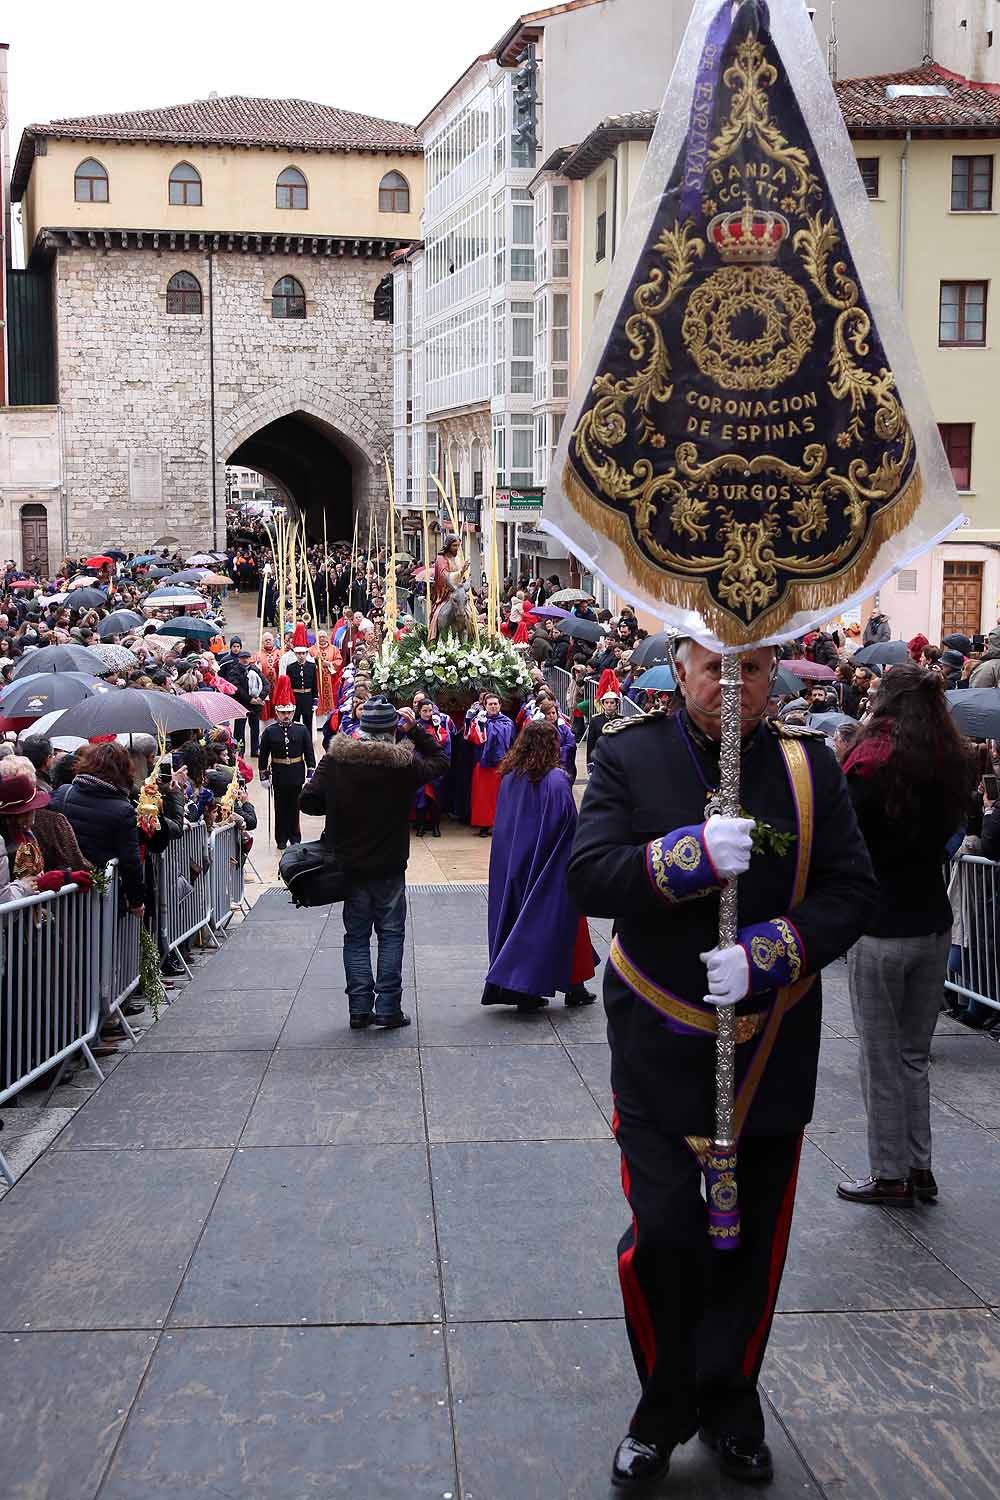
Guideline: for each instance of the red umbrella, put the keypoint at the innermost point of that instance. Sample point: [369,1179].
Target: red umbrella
[101,561]
[809,671]
[217,708]
[25,583]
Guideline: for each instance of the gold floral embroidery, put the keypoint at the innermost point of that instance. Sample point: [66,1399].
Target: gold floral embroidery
[685,855]
[723,1193]
[792,950]
[765,954]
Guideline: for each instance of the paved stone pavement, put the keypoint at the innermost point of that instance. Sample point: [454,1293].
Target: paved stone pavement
[275,1259]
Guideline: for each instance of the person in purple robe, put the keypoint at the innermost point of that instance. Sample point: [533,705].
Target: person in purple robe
[490,731]
[539,942]
[549,711]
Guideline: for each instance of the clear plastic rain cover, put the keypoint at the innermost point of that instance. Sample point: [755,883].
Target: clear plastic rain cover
[750,448]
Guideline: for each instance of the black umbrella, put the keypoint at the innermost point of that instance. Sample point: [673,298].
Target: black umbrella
[187,625]
[30,697]
[128,711]
[582,630]
[122,622]
[86,599]
[58,659]
[976,712]
[883,654]
[112,552]
[160,573]
[654,651]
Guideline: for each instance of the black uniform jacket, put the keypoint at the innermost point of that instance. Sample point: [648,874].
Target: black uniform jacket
[302,676]
[280,742]
[648,781]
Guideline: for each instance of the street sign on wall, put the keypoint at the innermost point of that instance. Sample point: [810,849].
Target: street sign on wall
[515,500]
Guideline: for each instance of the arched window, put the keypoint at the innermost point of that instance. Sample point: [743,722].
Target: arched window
[288,300]
[185,185]
[184,293]
[90,182]
[292,191]
[394,194]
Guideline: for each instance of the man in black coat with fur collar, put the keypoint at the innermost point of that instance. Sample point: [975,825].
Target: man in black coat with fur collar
[365,787]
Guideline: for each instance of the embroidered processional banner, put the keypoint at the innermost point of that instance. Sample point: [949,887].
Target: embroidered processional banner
[743,457]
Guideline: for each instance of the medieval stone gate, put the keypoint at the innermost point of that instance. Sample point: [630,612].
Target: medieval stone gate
[156,401]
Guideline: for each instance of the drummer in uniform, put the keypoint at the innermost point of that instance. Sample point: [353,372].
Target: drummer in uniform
[652,852]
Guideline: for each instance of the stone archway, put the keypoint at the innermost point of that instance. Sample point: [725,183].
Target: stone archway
[318,444]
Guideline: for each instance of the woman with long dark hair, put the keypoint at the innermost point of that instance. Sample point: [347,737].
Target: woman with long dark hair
[910,776]
[539,942]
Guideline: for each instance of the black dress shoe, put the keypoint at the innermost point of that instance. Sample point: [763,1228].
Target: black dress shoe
[637,1464]
[393,1022]
[924,1186]
[529,1003]
[360,1023]
[580,995]
[741,1458]
[876,1190]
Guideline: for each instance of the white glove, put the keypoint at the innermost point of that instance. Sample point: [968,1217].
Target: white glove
[729,844]
[728,975]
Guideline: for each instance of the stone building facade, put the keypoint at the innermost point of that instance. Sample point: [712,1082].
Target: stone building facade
[211,270]
[135,387]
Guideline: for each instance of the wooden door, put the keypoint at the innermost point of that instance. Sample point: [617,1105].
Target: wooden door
[962,598]
[35,540]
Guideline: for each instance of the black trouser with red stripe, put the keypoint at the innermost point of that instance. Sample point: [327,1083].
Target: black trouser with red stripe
[699,1318]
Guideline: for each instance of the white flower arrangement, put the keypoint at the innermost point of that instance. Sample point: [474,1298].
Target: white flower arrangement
[414,662]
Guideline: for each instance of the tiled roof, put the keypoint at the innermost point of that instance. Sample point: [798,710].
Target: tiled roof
[964,105]
[298,124]
[602,140]
[529,24]
[291,124]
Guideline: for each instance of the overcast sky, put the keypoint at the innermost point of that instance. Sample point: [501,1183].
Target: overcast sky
[391,58]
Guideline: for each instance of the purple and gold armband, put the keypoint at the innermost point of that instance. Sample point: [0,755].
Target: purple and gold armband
[679,867]
[776,953]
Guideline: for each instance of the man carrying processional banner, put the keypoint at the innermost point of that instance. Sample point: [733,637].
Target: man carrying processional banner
[750,451]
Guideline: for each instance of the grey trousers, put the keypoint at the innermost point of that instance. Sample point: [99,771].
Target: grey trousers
[896,986]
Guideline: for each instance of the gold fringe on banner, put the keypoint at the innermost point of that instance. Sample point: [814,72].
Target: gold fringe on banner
[694,594]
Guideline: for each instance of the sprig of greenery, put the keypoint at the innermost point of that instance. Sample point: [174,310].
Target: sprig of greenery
[151,983]
[768,840]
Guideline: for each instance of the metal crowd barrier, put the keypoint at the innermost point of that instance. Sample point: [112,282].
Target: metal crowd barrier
[119,949]
[50,990]
[185,890]
[228,896]
[974,888]
[559,680]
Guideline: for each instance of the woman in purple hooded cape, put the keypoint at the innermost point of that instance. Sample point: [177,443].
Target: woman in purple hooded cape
[539,942]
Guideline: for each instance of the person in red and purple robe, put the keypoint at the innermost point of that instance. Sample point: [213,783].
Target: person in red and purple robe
[491,732]
[539,942]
